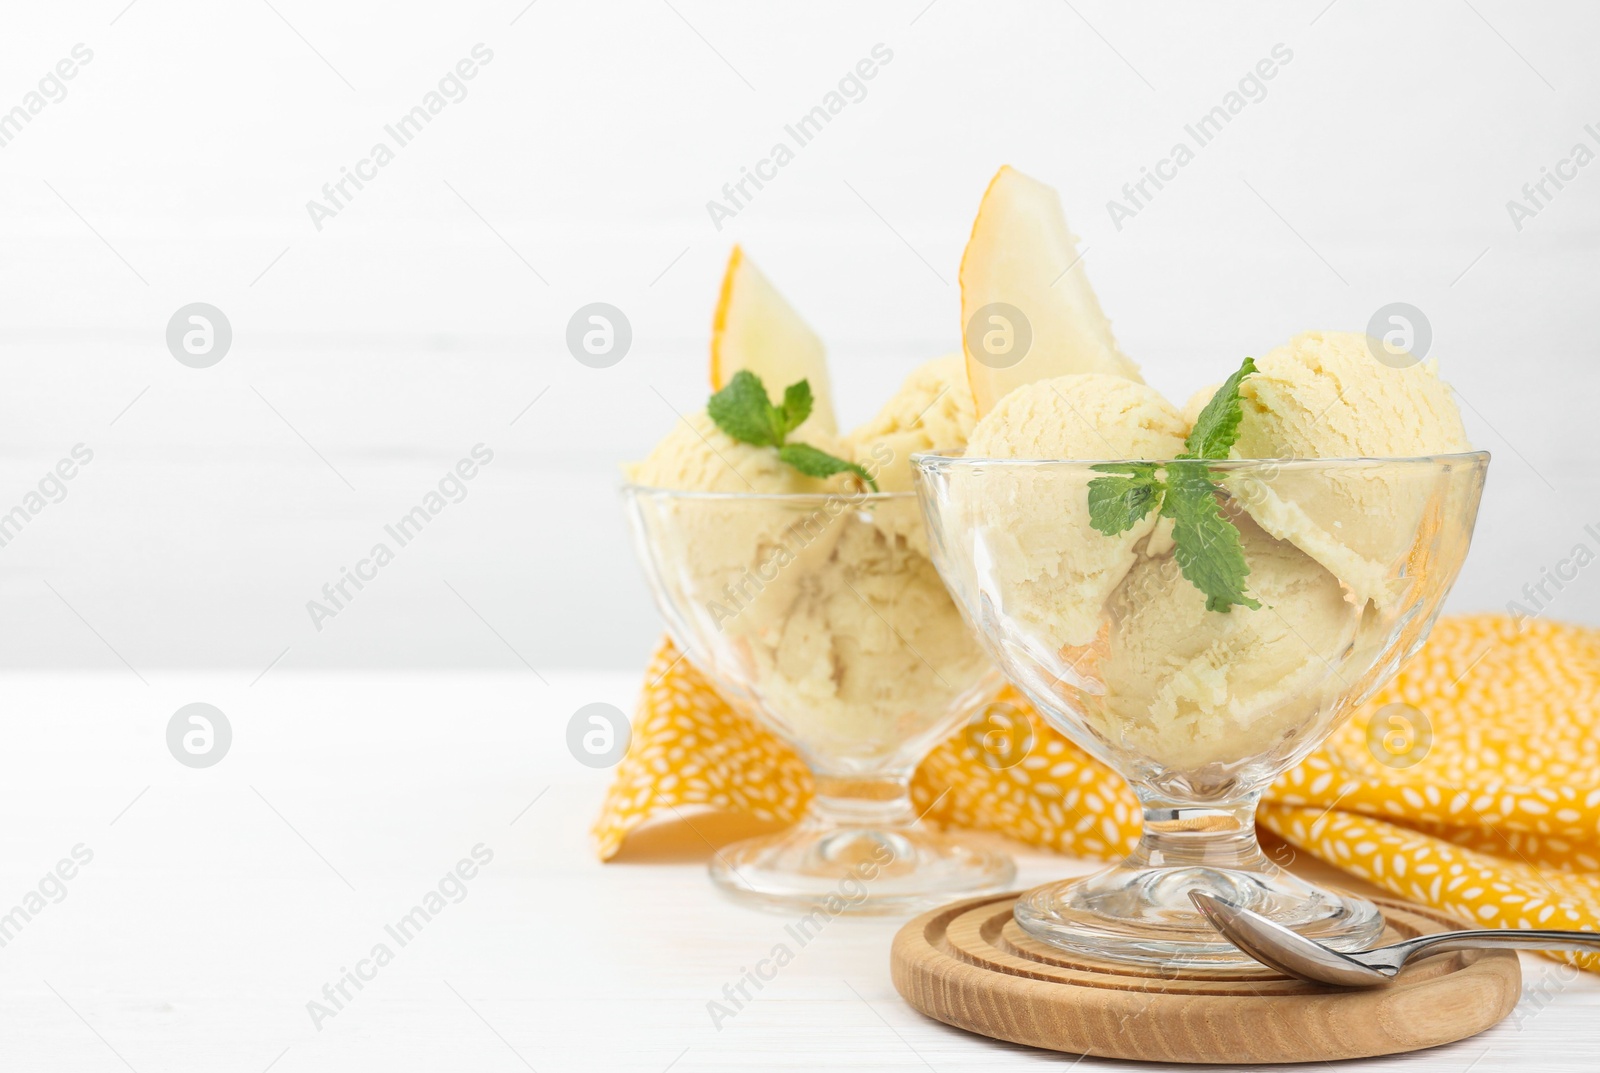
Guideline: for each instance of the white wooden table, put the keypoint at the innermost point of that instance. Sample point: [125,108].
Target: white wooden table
[220,901]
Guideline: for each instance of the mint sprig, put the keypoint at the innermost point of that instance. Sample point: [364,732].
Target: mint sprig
[1117,503]
[743,410]
[1217,428]
[1206,542]
[815,463]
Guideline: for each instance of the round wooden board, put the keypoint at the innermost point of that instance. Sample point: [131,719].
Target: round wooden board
[970,965]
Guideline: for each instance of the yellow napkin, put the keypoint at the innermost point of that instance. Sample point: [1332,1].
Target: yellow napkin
[1471,783]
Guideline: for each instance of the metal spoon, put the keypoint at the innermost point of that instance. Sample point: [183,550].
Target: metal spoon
[1293,954]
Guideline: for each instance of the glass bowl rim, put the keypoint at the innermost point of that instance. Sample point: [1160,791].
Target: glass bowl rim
[940,460]
[949,460]
[851,499]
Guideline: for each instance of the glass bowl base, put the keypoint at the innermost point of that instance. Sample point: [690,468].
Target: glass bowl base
[1143,916]
[859,871]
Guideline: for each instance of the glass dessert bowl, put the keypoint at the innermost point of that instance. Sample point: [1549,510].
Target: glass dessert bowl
[1199,708]
[821,617]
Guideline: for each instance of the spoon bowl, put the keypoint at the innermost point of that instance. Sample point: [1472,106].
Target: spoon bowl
[1295,955]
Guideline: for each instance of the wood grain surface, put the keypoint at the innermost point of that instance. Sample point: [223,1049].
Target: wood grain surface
[970,965]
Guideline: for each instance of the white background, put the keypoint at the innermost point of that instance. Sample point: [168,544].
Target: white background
[414,325]
[425,318]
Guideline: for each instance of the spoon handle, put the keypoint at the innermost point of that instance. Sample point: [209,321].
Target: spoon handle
[1512,938]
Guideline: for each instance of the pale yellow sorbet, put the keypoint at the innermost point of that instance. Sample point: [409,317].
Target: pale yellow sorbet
[1326,395]
[720,548]
[697,456]
[1187,687]
[872,654]
[1085,415]
[932,411]
[1197,402]
[841,630]
[1045,564]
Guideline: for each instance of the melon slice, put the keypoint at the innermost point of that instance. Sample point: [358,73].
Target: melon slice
[755,329]
[1022,255]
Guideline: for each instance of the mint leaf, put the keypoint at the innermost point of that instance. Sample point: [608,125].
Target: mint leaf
[1208,548]
[1217,427]
[742,410]
[796,407]
[1117,503]
[1206,543]
[815,463]
[1132,469]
